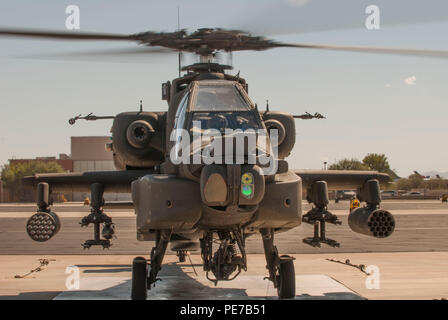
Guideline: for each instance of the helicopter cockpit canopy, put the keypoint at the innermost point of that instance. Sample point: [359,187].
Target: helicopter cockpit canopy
[219,105]
[220,96]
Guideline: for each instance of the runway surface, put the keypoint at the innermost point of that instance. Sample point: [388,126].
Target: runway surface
[180,287]
[416,275]
[412,263]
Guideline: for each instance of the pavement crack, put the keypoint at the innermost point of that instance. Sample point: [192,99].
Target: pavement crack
[43,263]
[347,262]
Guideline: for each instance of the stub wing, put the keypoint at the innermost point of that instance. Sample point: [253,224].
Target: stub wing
[113,181]
[340,179]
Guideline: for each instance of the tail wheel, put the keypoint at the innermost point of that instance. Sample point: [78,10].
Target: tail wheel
[286,279]
[139,279]
[181,254]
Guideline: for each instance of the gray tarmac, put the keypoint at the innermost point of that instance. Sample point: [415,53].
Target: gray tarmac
[408,275]
[421,226]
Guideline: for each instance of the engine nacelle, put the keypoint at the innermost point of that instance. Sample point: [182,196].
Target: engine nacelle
[138,139]
[376,223]
[284,123]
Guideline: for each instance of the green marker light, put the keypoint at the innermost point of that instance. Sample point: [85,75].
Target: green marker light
[247,191]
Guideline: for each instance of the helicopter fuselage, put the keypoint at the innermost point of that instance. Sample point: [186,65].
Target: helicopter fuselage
[196,187]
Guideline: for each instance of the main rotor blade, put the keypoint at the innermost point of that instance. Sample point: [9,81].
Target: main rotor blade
[394,51]
[153,53]
[63,35]
[144,50]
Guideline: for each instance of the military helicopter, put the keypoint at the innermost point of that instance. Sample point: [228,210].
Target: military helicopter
[215,204]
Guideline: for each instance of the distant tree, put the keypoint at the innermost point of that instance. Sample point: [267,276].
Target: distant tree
[414,181]
[348,164]
[12,174]
[379,162]
[403,184]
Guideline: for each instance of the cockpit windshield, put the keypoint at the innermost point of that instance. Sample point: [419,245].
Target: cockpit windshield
[219,98]
[221,106]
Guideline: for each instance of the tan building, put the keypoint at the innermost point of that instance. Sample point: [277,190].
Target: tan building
[90,154]
[64,161]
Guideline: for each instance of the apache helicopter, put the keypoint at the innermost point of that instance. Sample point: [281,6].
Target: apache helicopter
[209,206]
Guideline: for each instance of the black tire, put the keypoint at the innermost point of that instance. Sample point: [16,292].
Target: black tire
[139,289]
[286,280]
[182,257]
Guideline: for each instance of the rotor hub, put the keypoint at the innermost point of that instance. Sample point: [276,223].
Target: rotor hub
[206,41]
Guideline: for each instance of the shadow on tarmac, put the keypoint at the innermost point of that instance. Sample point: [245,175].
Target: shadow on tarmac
[178,282]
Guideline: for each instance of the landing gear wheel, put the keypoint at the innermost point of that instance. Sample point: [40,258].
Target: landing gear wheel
[286,279]
[181,255]
[139,279]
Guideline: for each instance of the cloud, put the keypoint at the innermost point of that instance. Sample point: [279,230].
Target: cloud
[410,81]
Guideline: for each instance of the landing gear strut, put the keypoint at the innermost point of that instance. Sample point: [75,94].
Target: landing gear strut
[98,217]
[281,268]
[157,254]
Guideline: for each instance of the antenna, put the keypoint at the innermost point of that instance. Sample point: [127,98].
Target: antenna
[267,105]
[141,105]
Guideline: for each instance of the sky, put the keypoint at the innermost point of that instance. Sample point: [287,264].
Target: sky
[396,105]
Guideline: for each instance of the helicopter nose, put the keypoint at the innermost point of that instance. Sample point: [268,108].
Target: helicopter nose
[223,185]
